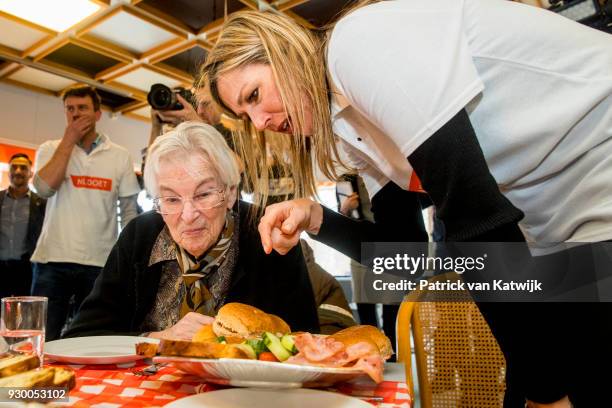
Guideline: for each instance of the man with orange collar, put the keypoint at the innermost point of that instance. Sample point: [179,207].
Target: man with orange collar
[21,218]
[83,174]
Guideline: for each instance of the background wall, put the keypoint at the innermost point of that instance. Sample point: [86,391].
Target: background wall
[29,118]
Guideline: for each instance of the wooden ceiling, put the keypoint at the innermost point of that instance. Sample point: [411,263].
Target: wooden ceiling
[128,45]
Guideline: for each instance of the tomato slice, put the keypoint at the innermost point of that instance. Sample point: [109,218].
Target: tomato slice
[267,356]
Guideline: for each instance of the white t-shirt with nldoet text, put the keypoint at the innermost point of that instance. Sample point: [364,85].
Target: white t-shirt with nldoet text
[80,223]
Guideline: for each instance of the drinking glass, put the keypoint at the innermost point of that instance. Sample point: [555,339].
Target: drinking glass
[22,325]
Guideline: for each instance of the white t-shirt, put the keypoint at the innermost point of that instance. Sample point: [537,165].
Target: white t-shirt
[537,88]
[81,218]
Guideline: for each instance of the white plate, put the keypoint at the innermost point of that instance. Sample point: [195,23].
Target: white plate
[254,398]
[261,374]
[96,349]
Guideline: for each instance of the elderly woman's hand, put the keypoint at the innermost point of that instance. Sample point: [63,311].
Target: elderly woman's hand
[282,224]
[185,328]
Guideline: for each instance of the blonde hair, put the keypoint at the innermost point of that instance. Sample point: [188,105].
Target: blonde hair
[188,139]
[296,58]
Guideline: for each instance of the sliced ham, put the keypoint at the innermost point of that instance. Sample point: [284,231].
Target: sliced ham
[372,366]
[359,350]
[317,349]
[325,351]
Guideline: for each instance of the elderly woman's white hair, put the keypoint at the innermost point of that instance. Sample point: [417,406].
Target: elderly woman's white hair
[186,140]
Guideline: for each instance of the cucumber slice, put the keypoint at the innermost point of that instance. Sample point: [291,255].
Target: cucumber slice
[257,344]
[273,344]
[248,350]
[289,343]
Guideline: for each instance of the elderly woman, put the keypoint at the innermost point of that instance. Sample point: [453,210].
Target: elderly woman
[172,269]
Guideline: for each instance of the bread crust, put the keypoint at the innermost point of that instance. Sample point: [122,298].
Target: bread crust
[64,377]
[368,334]
[184,348]
[17,364]
[205,335]
[146,349]
[245,321]
[46,377]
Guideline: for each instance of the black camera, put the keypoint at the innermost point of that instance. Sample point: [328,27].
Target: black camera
[162,98]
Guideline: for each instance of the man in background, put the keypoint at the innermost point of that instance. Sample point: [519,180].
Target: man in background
[21,217]
[83,174]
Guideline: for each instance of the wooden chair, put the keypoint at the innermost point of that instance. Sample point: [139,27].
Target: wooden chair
[459,363]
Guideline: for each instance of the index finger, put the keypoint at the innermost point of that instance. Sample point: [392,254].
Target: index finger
[265,232]
[182,100]
[272,218]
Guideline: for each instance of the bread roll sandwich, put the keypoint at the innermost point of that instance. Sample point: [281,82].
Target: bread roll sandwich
[239,331]
[247,322]
[367,334]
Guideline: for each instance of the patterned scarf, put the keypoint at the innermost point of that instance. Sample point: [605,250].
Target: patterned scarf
[204,287]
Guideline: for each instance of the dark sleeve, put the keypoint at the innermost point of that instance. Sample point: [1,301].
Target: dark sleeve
[110,307]
[344,234]
[398,215]
[453,171]
[397,218]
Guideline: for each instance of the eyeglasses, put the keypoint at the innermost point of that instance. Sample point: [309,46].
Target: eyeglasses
[201,201]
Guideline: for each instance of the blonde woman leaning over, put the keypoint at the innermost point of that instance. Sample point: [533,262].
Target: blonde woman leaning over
[506,126]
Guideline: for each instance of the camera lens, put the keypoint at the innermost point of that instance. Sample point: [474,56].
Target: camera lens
[161,97]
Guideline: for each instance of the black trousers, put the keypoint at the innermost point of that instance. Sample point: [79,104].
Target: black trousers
[62,283]
[15,278]
[554,349]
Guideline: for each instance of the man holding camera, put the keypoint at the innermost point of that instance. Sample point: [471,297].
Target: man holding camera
[83,175]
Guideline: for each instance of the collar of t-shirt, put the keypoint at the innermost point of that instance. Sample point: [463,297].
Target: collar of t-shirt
[95,144]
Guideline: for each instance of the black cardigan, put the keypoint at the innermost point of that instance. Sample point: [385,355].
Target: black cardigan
[35,220]
[127,287]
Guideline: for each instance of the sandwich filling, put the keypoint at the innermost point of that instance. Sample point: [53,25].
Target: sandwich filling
[227,329]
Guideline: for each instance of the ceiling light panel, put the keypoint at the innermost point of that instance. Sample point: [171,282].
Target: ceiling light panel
[17,36]
[131,33]
[57,15]
[142,79]
[41,79]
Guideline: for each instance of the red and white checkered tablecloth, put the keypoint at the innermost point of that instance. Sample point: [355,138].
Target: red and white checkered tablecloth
[113,385]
